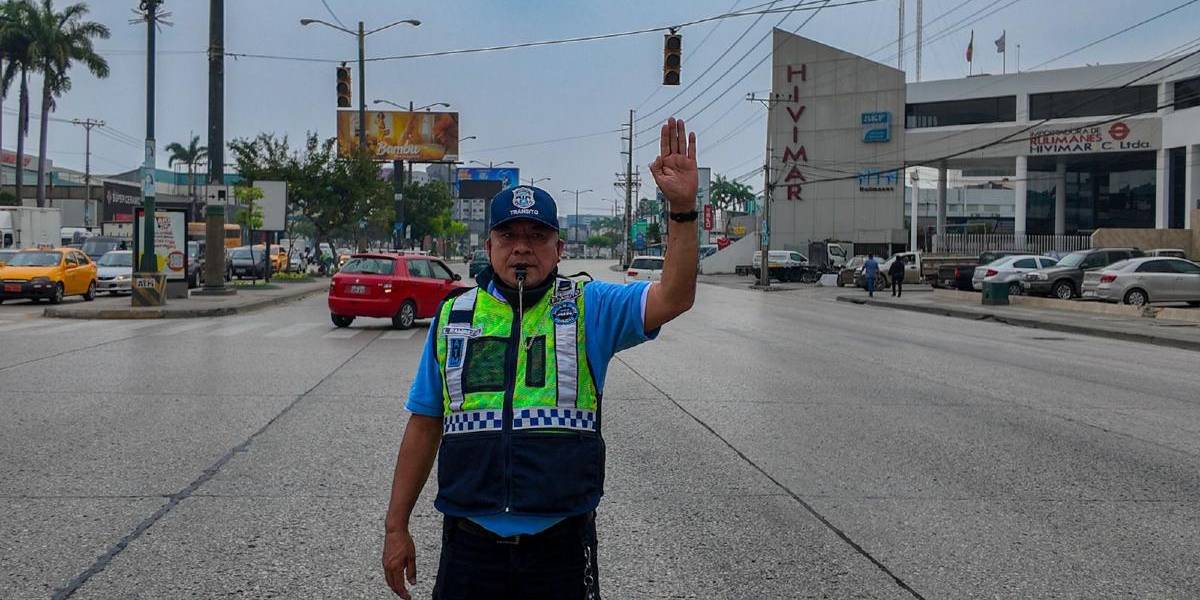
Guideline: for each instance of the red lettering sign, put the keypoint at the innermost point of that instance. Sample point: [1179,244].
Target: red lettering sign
[794,192]
[802,72]
[1119,131]
[794,155]
[795,174]
[708,217]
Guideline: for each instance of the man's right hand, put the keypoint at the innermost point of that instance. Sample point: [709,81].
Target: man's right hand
[399,561]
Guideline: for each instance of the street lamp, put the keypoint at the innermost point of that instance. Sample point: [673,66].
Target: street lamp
[410,105]
[492,165]
[577,193]
[469,137]
[362,67]
[533,181]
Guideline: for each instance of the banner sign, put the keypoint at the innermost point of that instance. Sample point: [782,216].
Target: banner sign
[708,217]
[507,176]
[401,135]
[170,242]
[1122,136]
[877,127]
[120,201]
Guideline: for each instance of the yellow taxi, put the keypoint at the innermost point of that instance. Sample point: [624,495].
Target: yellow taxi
[48,273]
[279,259]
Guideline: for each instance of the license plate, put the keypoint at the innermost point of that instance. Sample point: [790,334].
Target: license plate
[12,287]
[358,289]
[1089,294]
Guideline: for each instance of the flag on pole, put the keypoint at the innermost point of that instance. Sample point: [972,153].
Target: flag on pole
[1000,43]
[971,46]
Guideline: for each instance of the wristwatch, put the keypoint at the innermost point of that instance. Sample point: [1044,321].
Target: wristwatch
[684,217]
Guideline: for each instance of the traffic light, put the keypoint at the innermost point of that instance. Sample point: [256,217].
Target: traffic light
[343,87]
[672,56]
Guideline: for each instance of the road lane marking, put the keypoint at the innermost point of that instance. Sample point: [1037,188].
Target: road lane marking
[342,334]
[292,330]
[399,335]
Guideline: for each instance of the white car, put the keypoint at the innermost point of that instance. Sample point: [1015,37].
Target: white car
[114,272]
[644,268]
[1010,270]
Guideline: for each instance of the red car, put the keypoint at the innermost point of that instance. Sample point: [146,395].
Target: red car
[400,287]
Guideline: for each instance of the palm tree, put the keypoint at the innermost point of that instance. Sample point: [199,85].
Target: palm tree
[189,155]
[57,40]
[17,48]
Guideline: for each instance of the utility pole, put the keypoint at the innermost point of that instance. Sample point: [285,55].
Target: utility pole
[920,34]
[764,229]
[87,125]
[362,89]
[214,211]
[149,263]
[629,193]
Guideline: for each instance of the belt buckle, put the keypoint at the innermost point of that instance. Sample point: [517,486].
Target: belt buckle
[513,540]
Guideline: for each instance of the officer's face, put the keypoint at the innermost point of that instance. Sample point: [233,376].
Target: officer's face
[524,244]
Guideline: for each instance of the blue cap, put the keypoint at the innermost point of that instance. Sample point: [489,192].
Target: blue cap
[524,202]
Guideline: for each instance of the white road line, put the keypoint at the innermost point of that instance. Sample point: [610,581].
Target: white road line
[292,330]
[233,330]
[342,334]
[183,328]
[399,335]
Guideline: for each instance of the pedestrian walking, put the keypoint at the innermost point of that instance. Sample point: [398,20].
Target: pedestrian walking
[896,276]
[508,397]
[871,271]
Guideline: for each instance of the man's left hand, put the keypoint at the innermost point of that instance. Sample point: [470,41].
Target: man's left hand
[675,168]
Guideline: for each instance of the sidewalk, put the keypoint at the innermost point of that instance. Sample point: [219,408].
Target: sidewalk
[244,300]
[1102,320]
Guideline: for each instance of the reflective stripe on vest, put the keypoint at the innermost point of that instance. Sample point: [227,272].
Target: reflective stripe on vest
[566,350]
[457,348]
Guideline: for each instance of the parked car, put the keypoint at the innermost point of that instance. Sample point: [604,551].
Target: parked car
[49,274]
[297,263]
[479,262]
[1167,252]
[644,268]
[96,247]
[114,272]
[1010,270]
[848,275]
[195,264]
[399,287]
[784,265]
[1140,281]
[1065,280]
[989,256]
[242,265]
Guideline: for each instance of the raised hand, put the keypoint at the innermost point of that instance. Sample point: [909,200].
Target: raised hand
[675,168]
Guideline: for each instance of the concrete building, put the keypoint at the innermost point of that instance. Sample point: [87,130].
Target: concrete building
[1111,146]
[835,145]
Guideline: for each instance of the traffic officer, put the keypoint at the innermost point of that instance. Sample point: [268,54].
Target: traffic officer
[510,387]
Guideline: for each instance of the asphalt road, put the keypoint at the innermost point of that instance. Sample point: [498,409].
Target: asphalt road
[765,446]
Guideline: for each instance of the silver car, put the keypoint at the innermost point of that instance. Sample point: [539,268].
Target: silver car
[1010,270]
[114,272]
[1140,281]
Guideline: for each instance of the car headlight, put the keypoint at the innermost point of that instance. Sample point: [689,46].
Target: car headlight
[122,277]
[40,280]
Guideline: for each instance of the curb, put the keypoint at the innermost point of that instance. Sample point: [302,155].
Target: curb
[1032,323]
[190,313]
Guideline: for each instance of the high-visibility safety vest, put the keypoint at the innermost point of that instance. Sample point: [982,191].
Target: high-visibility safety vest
[521,413]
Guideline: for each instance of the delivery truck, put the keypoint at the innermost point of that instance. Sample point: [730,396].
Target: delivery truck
[30,227]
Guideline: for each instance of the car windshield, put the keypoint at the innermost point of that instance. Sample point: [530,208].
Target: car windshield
[99,247]
[1073,259]
[239,253]
[646,263]
[35,259]
[116,259]
[370,266]
[480,255]
[1003,261]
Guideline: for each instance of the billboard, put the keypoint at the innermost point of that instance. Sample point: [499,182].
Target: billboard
[401,135]
[273,203]
[170,242]
[507,176]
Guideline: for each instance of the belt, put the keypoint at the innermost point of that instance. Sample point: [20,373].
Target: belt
[565,526]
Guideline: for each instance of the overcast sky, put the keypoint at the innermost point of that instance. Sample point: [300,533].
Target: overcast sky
[515,97]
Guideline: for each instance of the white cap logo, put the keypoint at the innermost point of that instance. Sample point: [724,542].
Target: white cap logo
[523,197]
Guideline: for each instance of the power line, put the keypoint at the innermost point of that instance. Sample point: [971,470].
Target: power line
[550,141]
[687,61]
[1115,34]
[335,17]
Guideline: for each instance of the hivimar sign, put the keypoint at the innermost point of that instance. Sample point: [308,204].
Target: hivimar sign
[1121,136]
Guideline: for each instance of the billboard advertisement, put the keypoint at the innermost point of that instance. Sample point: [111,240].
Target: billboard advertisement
[170,242]
[401,135]
[507,176]
[273,203]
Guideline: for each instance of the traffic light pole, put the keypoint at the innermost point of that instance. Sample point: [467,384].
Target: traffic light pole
[362,89]
[149,262]
[214,211]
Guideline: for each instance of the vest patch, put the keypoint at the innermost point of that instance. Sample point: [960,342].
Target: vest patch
[455,351]
[564,313]
[463,331]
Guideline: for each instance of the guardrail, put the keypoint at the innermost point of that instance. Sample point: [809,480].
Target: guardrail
[957,243]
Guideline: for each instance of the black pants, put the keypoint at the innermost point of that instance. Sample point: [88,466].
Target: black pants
[897,286]
[558,564]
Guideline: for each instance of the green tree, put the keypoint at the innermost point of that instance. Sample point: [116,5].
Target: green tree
[730,195]
[189,155]
[59,39]
[251,216]
[427,208]
[17,49]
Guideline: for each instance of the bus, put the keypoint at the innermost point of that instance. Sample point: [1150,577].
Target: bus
[233,233]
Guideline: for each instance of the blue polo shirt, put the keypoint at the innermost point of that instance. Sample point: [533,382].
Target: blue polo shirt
[614,320]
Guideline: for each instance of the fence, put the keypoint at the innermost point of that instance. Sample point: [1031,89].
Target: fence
[972,244]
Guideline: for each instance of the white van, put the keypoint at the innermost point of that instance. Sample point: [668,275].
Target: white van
[784,265]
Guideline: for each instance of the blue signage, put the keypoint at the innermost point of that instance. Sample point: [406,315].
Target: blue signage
[877,127]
